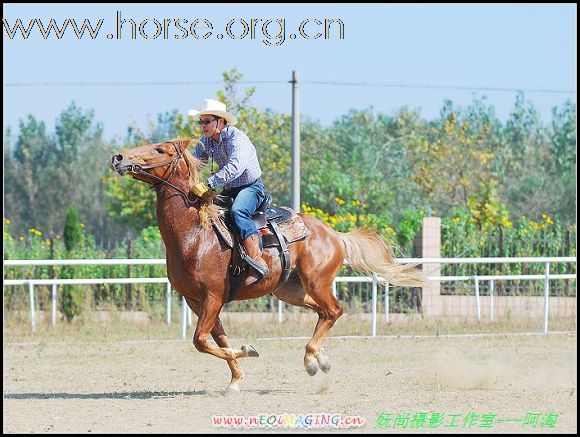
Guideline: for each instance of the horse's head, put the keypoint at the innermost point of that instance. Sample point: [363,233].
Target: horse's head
[154,163]
[166,164]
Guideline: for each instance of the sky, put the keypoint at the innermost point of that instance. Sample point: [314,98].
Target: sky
[403,55]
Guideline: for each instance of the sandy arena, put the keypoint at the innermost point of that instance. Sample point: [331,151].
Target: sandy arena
[499,384]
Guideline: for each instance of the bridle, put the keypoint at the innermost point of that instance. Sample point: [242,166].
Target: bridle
[139,169]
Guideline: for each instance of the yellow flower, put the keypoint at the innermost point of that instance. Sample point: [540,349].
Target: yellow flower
[21,238]
[82,225]
[339,200]
[548,219]
[6,221]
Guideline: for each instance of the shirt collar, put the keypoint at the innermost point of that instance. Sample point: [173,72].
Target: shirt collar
[223,134]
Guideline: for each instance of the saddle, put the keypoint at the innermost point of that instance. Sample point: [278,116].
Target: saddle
[277,228]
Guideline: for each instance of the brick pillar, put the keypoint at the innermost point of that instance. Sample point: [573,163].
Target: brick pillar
[427,244]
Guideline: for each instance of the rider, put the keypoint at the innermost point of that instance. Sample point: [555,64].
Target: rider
[239,171]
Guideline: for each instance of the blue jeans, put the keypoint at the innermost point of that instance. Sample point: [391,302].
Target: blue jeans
[246,200]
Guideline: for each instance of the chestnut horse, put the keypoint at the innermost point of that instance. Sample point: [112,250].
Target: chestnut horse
[197,264]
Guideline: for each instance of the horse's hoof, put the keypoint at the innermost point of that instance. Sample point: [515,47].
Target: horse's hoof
[250,351]
[324,363]
[311,365]
[232,391]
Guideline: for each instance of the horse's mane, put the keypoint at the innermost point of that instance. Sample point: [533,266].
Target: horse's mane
[208,209]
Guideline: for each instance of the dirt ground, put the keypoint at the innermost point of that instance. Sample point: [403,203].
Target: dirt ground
[498,384]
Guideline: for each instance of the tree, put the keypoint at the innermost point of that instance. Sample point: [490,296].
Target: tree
[563,149]
[26,175]
[44,172]
[452,159]
[525,162]
[71,300]
[72,232]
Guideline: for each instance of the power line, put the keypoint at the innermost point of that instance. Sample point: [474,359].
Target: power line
[445,87]
[308,82]
[127,83]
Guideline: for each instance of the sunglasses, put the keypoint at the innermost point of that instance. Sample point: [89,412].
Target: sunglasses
[206,122]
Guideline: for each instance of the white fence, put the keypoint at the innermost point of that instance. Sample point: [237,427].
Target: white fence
[186,313]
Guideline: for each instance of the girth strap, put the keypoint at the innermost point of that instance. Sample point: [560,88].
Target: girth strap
[285,254]
[236,270]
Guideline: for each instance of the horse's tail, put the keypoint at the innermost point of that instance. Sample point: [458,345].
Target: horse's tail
[368,252]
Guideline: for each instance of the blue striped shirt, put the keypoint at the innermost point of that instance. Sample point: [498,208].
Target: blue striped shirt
[236,157]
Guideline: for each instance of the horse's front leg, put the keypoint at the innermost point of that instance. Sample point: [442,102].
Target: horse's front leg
[219,335]
[208,322]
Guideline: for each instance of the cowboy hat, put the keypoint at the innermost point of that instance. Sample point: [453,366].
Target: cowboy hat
[214,107]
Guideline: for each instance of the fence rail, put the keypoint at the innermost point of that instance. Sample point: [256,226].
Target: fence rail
[161,261]
[375,280]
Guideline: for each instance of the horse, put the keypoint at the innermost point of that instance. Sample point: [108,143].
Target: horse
[197,263]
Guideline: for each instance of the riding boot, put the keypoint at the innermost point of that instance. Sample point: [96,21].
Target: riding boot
[259,268]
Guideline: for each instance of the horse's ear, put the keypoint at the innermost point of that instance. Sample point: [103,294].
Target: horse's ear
[184,143]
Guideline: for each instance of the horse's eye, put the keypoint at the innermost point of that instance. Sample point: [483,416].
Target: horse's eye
[160,150]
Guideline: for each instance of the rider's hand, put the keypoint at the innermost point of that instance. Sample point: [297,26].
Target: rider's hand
[200,189]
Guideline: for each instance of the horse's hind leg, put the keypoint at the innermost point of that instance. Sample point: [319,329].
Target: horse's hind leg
[332,310]
[294,294]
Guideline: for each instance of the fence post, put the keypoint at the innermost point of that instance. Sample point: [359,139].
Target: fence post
[374,307]
[387,302]
[477,302]
[53,319]
[280,304]
[32,315]
[334,287]
[491,300]
[427,244]
[168,303]
[183,317]
[546,295]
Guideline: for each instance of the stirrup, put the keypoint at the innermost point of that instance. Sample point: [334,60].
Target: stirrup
[262,269]
[260,275]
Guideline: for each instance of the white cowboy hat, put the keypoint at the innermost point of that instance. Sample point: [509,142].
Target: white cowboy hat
[214,107]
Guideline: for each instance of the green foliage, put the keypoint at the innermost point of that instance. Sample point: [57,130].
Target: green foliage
[360,157]
[462,236]
[130,201]
[452,158]
[71,303]
[408,227]
[46,172]
[74,299]
[486,207]
[72,229]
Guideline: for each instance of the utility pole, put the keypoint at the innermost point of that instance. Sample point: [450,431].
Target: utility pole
[295,185]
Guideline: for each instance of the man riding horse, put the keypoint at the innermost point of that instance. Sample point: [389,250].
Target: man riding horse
[239,172]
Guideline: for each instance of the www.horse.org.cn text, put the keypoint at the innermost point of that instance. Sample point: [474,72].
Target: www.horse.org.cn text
[270,31]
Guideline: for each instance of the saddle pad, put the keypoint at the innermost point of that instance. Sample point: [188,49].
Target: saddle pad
[293,230]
